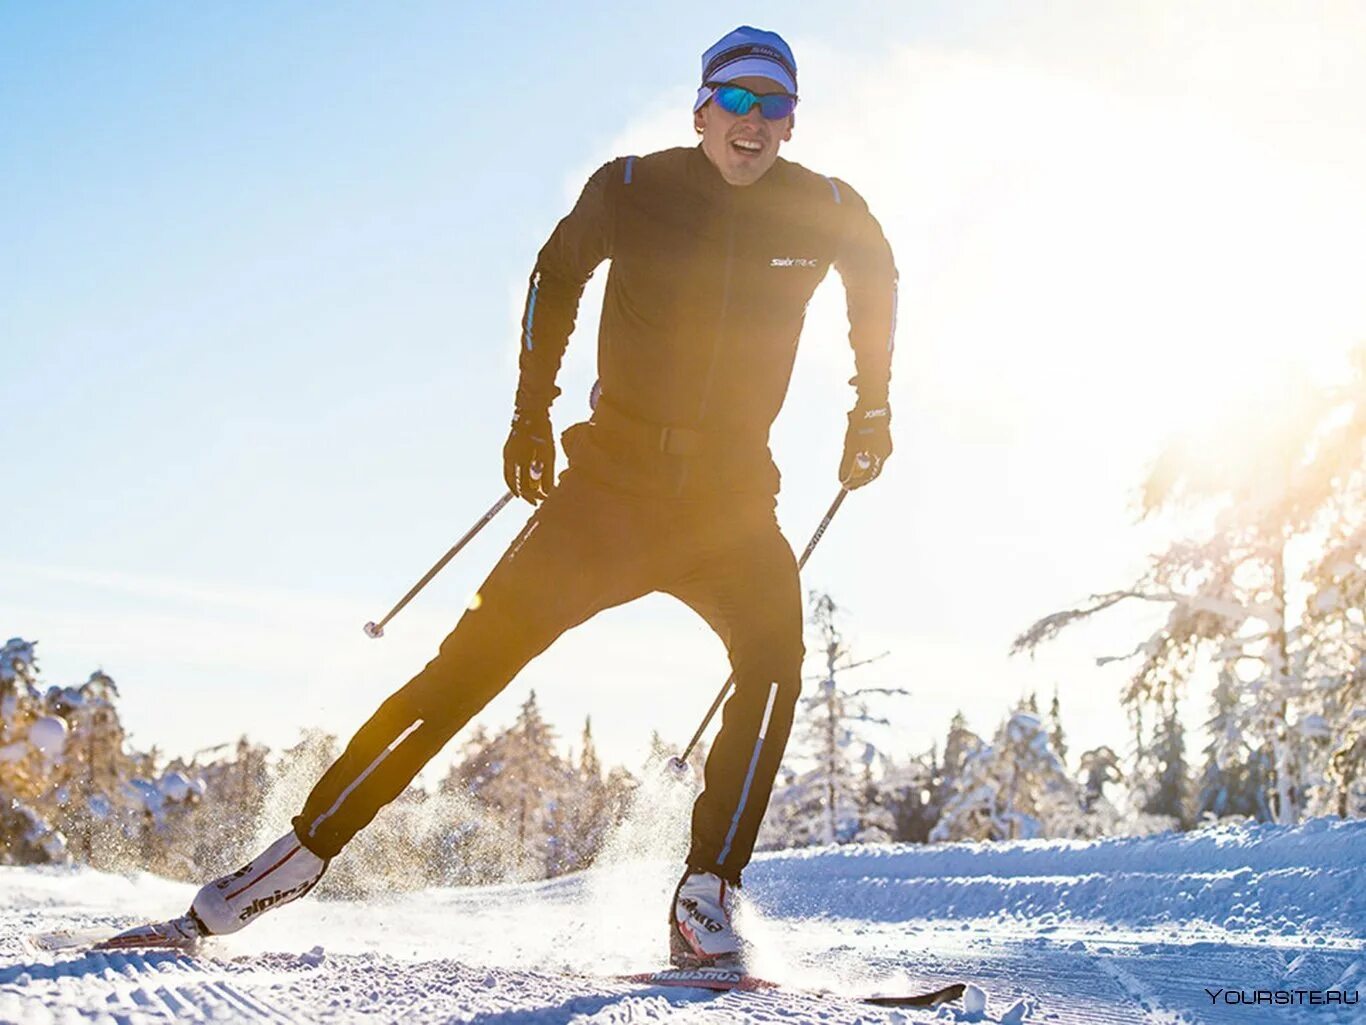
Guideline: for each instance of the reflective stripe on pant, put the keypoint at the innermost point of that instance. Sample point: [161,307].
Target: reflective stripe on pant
[587,549]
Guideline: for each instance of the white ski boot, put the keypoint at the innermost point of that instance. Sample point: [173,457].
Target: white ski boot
[285,871]
[700,931]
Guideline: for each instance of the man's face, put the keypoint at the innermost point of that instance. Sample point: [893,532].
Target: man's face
[742,148]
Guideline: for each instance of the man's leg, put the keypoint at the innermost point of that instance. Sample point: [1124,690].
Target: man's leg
[745,585]
[576,556]
[583,551]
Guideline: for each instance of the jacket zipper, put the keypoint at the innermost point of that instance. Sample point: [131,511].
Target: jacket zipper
[721,320]
[720,330]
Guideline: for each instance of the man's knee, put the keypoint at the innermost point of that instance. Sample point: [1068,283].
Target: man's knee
[772,659]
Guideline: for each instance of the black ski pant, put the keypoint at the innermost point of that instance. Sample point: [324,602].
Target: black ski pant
[588,548]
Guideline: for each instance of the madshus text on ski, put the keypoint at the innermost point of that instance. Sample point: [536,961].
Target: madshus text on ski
[715,251]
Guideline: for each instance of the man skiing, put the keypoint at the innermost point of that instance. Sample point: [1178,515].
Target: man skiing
[715,252]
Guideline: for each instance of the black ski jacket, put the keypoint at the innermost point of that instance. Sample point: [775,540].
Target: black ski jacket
[707,292]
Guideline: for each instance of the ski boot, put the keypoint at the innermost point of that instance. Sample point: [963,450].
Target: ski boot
[285,871]
[700,931]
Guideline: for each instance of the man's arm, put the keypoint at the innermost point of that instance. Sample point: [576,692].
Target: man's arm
[864,261]
[579,243]
[865,264]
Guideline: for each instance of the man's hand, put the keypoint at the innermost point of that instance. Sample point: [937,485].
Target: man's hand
[529,457]
[867,444]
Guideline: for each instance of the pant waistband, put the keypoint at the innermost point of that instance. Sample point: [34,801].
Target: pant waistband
[666,438]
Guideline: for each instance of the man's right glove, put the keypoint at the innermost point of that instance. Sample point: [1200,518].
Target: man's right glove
[867,444]
[529,457]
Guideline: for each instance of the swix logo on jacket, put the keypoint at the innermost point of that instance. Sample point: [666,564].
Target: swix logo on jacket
[708,289]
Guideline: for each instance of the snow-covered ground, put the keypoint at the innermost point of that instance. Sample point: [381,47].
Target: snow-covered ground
[1122,931]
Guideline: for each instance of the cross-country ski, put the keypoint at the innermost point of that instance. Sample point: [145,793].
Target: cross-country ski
[723,981]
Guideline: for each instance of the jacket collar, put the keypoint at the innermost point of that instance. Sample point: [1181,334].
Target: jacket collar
[705,173]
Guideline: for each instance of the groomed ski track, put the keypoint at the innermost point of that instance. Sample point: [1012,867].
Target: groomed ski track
[1121,931]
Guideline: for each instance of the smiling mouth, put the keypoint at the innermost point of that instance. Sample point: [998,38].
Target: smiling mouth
[748,147]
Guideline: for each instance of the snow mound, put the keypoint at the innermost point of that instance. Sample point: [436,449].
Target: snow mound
[1270,878]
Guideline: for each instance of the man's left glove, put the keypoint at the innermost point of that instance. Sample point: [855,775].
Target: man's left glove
[867,444]
[529,457]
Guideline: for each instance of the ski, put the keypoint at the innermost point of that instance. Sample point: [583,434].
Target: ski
[725,980]
[65,939]
[152,936]
[160,936]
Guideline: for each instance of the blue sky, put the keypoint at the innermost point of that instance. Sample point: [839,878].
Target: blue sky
[261,268]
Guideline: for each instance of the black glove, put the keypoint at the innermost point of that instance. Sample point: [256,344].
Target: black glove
[529,457]
[867,444]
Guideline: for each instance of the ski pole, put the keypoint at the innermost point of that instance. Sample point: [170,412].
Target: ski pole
[678,765]
[376,630]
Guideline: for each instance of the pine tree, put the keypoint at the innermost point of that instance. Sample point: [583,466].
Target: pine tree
[876,821]
[590,768]
[828,800]
[1167,790]
[592,806]
[475,846]
[27,833]
[1226,779]
[1332,724]
[236,783]
[519,776]
[1017,788]
[960,746]
[96,806]
[1055,733]
[1099,768]
[912,788]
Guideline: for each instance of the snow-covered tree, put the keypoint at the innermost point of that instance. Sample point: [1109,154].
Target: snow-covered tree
[1099,768]
[31,744]
[1016,788]
[592,805]
[828,791]
[1056,737]
[236,783]
[875,809]
[476,845]
[519,775]
[911,790]
[959,747]
[95,801]
[1162,778]
[1231,783]
[1269,491]
[1333,632]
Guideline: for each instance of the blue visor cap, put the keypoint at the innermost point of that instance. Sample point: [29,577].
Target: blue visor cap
[745,52]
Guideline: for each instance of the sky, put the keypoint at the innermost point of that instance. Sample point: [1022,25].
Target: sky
[262,266]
